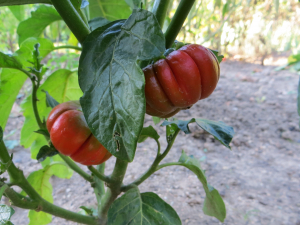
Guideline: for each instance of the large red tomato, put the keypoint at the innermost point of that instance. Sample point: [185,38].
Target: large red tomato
[71,136]
[187,75]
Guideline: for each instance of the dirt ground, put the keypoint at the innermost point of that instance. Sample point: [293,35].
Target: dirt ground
[259,179]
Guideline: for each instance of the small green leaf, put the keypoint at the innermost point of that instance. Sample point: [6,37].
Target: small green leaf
[148,132]
[219,130]
[114,99]
[45,152]
[133,3]
[156,120]
[44,132]
[5,213]
[9,61]
[213,203]
[89,211]
[147,208]
[109,9]
[219,57]
[170,131]
[98,22]
[2,189]
[39,20]
[50,101]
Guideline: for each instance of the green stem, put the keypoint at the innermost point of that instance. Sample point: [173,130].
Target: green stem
[178,21]
[160,9]
[16,175]
[114,188]
[72,18]
[18,2]
[169,164]
[38,203]
[35,87]
[154,165]
[99,175]
[98,186]
[69,47]
[76,168]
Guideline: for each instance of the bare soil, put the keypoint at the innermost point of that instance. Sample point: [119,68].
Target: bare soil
[259,179]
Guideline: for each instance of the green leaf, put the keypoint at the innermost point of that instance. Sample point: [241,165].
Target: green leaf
[147,208]
[45,152]
[219,130]
[5,213]
[39,20]
[11,80]
[170,131]
[133,3]
[9,61]
[109,9]
[114,100]
[156,120]
[98,22]
[22,2]
[2,189]
[43,132]
[18,11]
[89,211]
[225,9]
[40,182]
[63,86]
[148,132]
[219,57]
[213,203]
[50,101]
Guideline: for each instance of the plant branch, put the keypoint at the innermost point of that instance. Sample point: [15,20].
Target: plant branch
[99,175]
[168,164]
[114,188]
[68,47]
[98,186]
[154,165]
[37,203]
[178,21]
[76,168]
[160,9]
[72,18]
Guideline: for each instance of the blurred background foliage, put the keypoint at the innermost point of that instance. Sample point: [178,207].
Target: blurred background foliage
[256,28]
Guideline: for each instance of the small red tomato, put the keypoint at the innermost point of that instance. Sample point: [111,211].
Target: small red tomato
[186,76]
[71,136]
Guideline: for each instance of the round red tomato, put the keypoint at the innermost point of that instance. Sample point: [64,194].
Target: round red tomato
[71,136]
[187,75]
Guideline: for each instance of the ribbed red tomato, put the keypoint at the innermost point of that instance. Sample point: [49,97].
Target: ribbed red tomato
[71,136]
[187,75]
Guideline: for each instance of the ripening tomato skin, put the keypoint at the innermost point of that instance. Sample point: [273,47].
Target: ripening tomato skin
[71,136]
[179,81]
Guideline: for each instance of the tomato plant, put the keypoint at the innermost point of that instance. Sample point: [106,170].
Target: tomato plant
[102,107]
[179,81]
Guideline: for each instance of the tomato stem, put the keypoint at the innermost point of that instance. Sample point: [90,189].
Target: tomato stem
[99,175]
[177,21]
[154,166]
[160,9]
[72,18]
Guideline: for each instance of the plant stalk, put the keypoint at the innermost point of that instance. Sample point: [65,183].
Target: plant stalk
[114,188]
[160,9]
[153,167]
[72,18]
[177,21]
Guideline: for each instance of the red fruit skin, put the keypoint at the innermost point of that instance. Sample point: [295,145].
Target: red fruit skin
[71,136]
[179,81]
